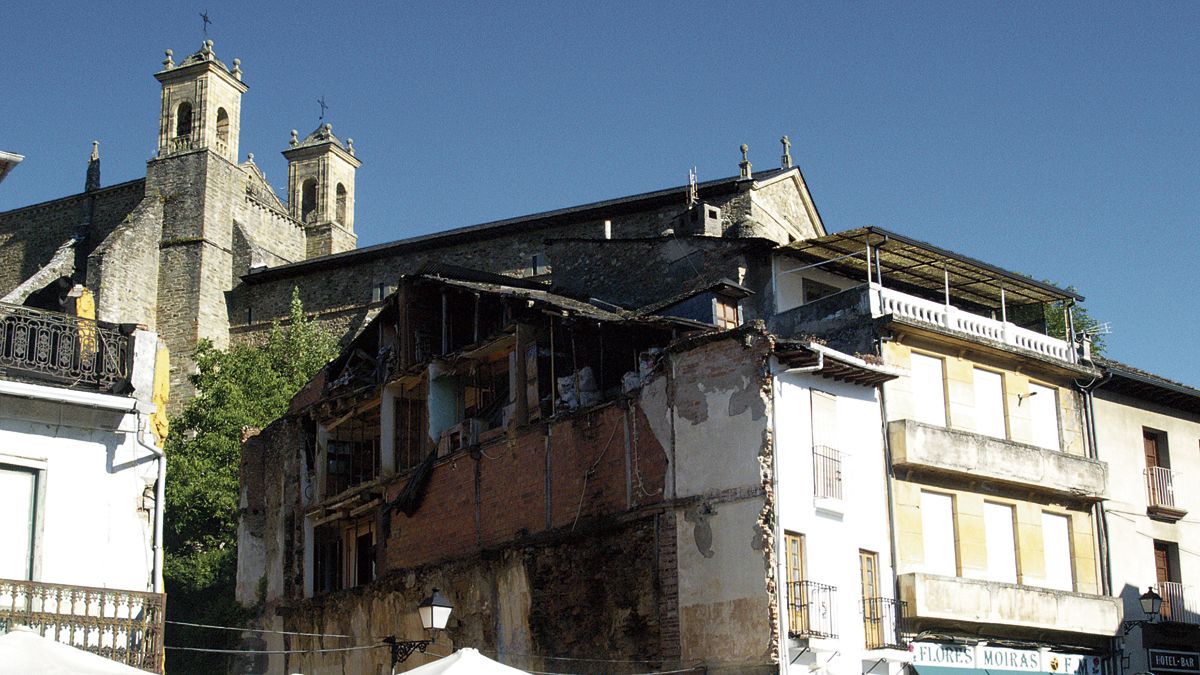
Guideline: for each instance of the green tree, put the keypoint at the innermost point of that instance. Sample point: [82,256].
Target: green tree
[1056,323]
[243,386]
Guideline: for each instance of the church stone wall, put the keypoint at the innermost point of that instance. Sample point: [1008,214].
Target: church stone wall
[29,236]
[123,269]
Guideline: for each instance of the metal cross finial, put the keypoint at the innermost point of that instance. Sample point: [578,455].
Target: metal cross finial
[321,102]
[786,159]
[205,19]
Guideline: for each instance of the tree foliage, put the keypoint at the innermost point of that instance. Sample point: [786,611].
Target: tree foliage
[1056,323]
[243,386]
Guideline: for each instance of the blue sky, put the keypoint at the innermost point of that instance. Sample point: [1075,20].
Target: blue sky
[1056,139]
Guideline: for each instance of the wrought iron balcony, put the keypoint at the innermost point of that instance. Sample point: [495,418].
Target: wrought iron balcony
[125,626]
[1178,605]
[812,610]
[61,349]
[827,472]
[885,623]
[1160,494]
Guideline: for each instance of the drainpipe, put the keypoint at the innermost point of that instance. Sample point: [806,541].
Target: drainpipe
[890,477]
[1093,451]
[160,497]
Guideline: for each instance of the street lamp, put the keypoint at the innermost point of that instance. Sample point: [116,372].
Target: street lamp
[1151,604]
[434,612]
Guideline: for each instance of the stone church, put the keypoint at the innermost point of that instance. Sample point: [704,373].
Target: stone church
[204,247]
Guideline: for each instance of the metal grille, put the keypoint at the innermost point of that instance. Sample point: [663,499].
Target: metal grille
[827,472]
[812,609]
[884,622]
[64,349]
[1160,490]
[125,626]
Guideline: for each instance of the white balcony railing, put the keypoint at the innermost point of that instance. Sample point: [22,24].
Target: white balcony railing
[1178,605]
[1160,488]
[888,301]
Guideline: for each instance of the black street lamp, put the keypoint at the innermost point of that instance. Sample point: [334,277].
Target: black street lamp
[434,612]
[1151,604]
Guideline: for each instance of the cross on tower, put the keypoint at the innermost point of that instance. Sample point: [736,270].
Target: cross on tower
[206,20]
[321,102]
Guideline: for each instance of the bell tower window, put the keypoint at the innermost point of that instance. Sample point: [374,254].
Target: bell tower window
[222,125]
[341,203]
[183,120]
[308,200]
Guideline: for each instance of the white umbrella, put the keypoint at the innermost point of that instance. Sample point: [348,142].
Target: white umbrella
[465,661]
[23,651]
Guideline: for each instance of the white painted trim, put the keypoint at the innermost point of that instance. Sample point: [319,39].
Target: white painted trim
[81,398]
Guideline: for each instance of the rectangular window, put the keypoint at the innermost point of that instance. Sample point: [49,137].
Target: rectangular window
[872,601]
[1043,413]
[827,460]
[937,533]
[18,504]
[1001,542]
[928,390]
[352,452]
[725,313]
[1056,542]
[989,403]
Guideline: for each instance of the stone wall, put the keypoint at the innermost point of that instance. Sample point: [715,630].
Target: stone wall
[123,269]
[29,236]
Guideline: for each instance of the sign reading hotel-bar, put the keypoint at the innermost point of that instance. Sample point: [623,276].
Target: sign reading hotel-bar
[1168,661]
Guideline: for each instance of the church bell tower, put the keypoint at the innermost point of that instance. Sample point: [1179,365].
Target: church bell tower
[321,190]
[201,104]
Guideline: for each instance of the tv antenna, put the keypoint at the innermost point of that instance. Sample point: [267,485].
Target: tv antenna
[693,188]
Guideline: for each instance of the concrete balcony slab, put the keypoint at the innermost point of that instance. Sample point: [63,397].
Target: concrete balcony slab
[947,451]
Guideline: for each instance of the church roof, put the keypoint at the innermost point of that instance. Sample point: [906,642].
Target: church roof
[204,54]
[322,134]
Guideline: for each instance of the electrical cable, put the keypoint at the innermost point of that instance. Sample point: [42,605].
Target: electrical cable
[256,630]
[275,651]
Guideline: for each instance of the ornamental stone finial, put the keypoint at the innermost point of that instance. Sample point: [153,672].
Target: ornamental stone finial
[169,63]
[294,141]
[95,150]
[785,160]
[250,157]
[744,165]
[350,146]
[237,69]
[328,128]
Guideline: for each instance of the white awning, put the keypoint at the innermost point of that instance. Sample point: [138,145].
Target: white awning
[23,651]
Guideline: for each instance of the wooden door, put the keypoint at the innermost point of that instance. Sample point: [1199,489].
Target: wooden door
[868,565]
[1150,445]
[1162,571]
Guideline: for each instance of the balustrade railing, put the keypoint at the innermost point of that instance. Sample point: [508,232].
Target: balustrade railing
[884,622]
[63,349]
[889,301]
[1160,488]
[827,472]
[125,626]
[180,143]
[1175,605]
[812,610]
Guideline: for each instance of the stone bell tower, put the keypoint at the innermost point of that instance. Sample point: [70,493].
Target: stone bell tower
[201,104]
[321,190]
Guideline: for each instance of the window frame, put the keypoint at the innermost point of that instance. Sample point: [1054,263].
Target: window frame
[38,468]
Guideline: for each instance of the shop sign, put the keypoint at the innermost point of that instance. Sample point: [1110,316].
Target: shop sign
[1166,660]
[985,657]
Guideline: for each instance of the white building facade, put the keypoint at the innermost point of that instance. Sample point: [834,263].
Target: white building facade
[81,483]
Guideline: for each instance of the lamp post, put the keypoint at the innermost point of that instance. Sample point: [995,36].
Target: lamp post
[434,612]
[1151,605]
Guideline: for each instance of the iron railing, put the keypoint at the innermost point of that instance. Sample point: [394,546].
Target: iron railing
[1160,489]
[66,350]
[827,472]
[1175,605]
[125,626]
[885,623]
[812,610]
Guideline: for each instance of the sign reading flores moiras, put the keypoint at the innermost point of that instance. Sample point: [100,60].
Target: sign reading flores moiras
[985,657]
[1174,662]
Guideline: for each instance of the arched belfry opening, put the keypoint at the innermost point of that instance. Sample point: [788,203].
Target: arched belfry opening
[222,126]
[308,200]
[341,203]
[183,120]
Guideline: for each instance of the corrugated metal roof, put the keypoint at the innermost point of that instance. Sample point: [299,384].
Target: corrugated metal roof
[907,261]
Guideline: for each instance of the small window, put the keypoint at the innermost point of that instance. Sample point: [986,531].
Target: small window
[928,389]
[1056,543]
[937,533]
[726,313]
[1001,542]
[538,264]
[183,120]
[341,203]
[815,290]
[308,200]
[222,125]
[989,403]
